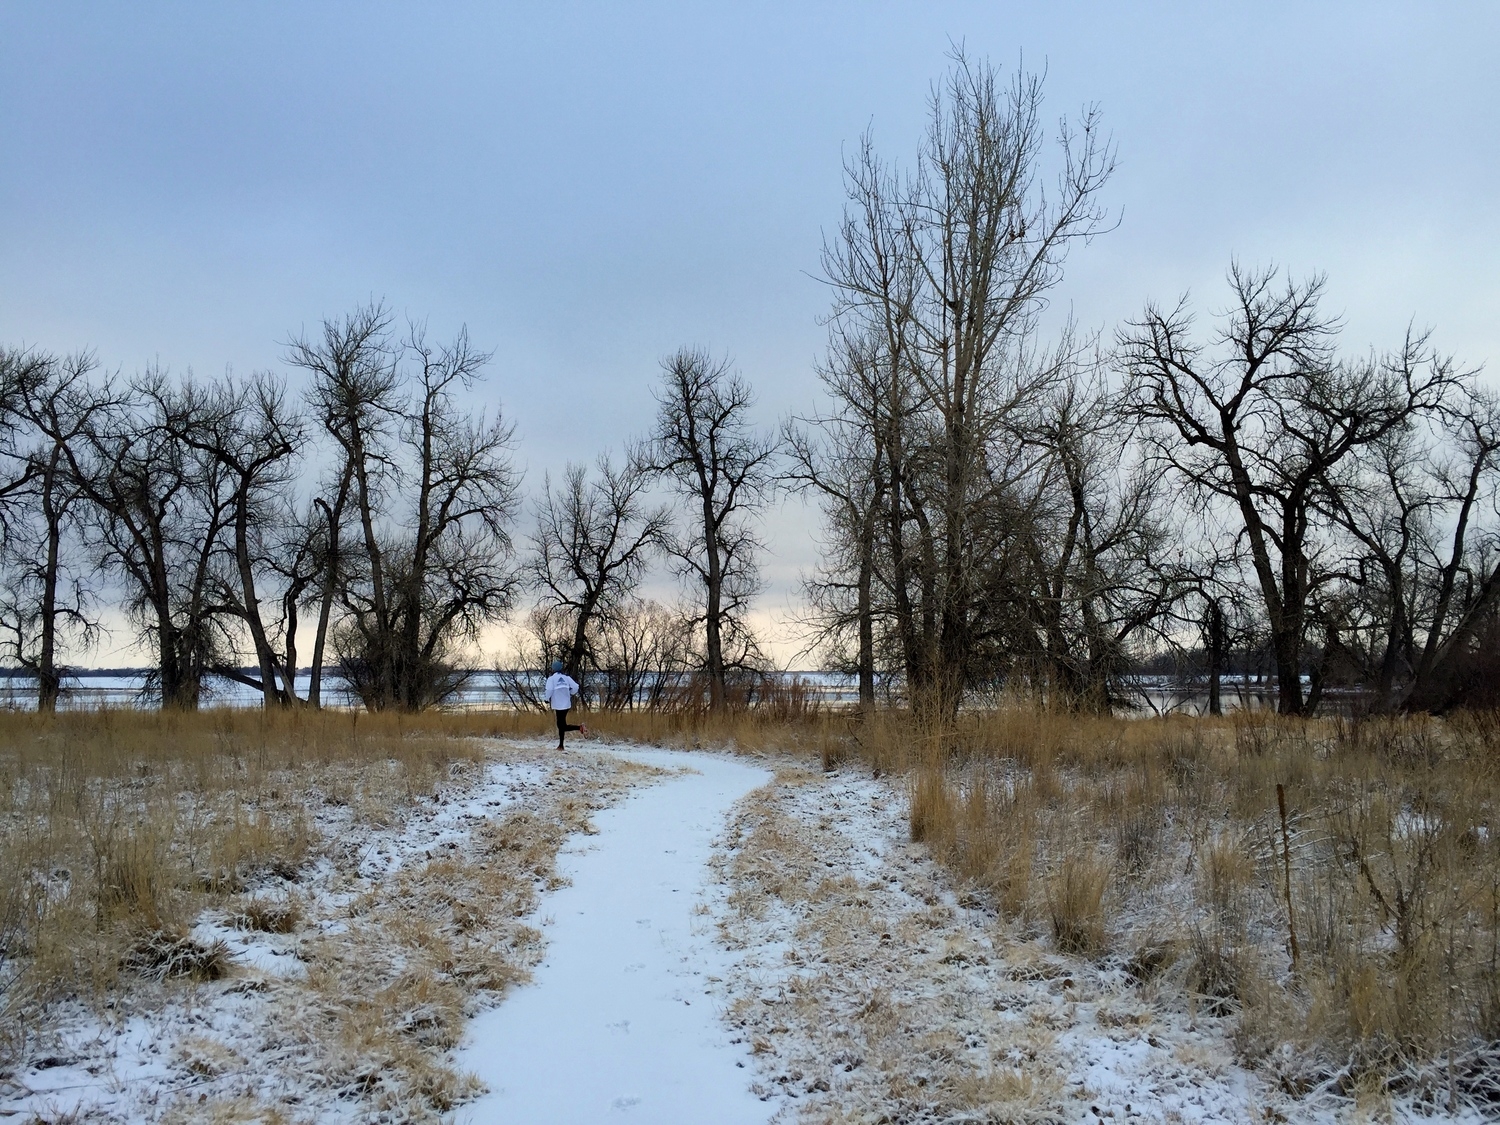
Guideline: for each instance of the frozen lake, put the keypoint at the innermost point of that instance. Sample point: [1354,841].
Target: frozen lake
[485,691]
[488,691]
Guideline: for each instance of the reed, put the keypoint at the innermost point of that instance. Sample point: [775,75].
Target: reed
[1118,836]
[119,828]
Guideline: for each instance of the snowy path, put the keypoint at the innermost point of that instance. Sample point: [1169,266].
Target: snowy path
[618,1024]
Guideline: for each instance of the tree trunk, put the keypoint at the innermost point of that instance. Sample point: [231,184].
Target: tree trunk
[289,663]
[331,575]
[866,622]
[383,655]
[47,679]
[1385,680]
[713,612]
[179,689]
[1215,655]
[264,656]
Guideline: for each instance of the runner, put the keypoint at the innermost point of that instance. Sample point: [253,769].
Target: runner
[560,690]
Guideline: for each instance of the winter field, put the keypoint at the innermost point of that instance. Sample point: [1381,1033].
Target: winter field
[1019,917]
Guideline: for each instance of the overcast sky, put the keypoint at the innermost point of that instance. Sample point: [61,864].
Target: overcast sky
[587,187]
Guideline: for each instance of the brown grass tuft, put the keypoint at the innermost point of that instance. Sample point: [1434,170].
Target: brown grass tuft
[119,828]
[1075,904]
[1165,834]
[160,955]
[269,915]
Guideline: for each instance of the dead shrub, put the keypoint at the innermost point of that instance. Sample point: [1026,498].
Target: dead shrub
[1150,960]
[931,808]
[1218,970]
[131,876]
[269,915]
[1137,832]
[1226,872]
[1075,904]
[160,955]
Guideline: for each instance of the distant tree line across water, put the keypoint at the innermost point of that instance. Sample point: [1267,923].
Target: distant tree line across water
[1007,507]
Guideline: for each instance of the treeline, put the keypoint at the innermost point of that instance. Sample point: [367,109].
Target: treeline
[1007,510]
[374,513]
[1008,507]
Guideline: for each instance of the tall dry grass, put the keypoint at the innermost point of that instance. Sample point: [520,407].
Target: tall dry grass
[118,827]
[1156,844]
[1160,844]
[784,719]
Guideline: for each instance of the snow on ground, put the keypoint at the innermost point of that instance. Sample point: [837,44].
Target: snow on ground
[792,957]
[869,992]
[618,1023]
[405,929]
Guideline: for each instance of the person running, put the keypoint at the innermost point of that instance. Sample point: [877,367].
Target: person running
[560,690]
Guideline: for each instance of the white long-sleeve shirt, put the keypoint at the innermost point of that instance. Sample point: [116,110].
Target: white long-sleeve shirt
[560,690]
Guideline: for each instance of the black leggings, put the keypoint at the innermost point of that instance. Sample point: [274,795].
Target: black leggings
[563,726]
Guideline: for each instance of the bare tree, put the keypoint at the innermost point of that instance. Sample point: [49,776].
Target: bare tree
[355,396]
[590,547]
[1095,531]
[161,508]
[19,368]
[646,655]
[47,596]
[946,271]
[706,448]
[294,550]
[1264,423]
[432,490]
[1419,507]
[252,434]
[1465,570]
[840,457]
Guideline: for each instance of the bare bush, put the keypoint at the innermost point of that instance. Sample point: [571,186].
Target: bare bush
[1161,844]
[163,954]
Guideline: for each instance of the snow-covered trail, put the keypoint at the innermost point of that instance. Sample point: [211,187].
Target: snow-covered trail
[618,1023]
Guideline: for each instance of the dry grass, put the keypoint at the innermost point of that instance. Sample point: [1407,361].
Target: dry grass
[865,994]
[1155,845]
[117,821]
[160,955]
[121,830]
[269,915]
[792,724]
[1159,843]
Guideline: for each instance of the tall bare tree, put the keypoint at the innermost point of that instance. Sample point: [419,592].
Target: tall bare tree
[705,446]
[1263,420]
[1419,508]
[592,542]
[839,456]
[432,490]
[1094,528]
[947,270]
[355,397]
[1464,567]
[48,598]
[253,433]
[161,508]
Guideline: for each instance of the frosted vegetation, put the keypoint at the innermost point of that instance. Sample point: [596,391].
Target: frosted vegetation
[981,889]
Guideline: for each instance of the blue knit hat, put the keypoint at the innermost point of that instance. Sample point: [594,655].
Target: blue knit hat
[557,665]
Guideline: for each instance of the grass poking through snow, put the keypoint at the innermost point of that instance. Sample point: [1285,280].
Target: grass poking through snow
[240,917]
